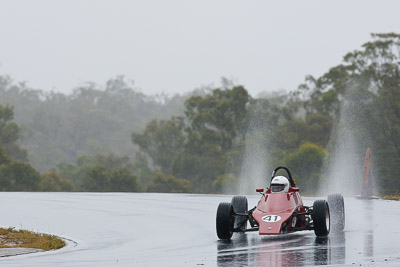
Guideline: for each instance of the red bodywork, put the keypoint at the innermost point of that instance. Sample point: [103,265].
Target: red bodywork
[277,210]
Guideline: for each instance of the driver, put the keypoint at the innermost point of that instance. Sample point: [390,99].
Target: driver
[280,184]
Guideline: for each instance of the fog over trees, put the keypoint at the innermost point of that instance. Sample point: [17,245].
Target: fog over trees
[92,120]
[114,138]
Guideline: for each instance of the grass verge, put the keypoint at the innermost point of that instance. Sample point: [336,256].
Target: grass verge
[11,238]
[391,197]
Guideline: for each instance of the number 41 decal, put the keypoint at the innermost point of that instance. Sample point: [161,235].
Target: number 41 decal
[271,218]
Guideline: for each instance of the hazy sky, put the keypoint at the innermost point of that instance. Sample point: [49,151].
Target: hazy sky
[176,46]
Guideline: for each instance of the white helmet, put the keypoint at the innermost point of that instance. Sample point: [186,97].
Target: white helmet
[280,184]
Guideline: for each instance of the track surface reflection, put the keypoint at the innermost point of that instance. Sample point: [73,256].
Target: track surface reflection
[289,250]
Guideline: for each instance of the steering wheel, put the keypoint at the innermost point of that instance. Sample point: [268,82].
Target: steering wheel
[292,184]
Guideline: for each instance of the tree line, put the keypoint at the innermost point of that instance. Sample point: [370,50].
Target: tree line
[120,140]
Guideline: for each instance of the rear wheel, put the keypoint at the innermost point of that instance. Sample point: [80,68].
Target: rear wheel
[239,204]
[225,221]
[321,218]
[336,208]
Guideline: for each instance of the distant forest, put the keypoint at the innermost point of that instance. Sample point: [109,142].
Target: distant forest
[114,138]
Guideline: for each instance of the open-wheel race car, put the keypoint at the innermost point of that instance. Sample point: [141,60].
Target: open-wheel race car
[279,211]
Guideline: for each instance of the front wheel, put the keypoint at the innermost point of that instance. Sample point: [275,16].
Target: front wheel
[321,218]
[225,221]
[239,204]
[336,208]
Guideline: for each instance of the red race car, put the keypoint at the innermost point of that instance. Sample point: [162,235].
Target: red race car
[279,211]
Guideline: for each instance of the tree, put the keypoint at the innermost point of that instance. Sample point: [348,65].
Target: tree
[216,121]
[10,133]
[162,141]
[4,159]
[319,128]
[201,168]
[53,182]
[290,135]
[104,173]
[306,164]
[73,173]
[168,184]
[122,180]
[96,173]
[18,176]
[220,116]
[96,179]
[141,169]
[108,161]
[225,183]
[196,147]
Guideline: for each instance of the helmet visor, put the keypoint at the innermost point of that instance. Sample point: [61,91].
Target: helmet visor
[277,187]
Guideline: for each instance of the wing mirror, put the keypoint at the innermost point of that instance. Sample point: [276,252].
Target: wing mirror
[260,190]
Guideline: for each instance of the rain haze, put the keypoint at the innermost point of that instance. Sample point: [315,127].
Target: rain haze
[106,143]
[177,46]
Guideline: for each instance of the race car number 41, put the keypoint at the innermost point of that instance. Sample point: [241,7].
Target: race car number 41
[271,218]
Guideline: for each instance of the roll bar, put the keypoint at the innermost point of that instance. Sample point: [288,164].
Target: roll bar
[292,183]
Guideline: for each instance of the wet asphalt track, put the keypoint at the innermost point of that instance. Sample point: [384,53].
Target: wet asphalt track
[179,230]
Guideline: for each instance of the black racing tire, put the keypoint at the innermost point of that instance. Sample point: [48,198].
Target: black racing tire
[336,209]
[225,221]
[321,218]
[239,204]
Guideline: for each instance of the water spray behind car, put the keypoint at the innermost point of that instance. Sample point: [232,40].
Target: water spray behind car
[342,171]
[254,166]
